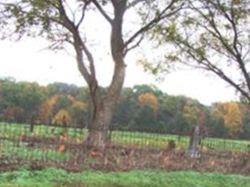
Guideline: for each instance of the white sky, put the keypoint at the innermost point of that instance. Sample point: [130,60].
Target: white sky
[25,61]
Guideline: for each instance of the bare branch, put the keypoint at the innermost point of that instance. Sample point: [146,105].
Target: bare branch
[102,11]
[135,45]
[215,32]
[237,53]
[154,21]
[83,13]
[79,45]
[208,65]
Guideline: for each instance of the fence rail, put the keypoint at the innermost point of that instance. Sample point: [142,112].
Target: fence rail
[63,145]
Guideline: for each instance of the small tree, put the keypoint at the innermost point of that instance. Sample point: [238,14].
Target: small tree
[62,118]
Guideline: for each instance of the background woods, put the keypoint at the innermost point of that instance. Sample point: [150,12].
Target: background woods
[141,108]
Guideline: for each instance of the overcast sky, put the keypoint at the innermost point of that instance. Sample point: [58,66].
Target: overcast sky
[26,61]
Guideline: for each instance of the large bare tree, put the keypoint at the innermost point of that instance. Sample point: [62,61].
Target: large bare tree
[64,22]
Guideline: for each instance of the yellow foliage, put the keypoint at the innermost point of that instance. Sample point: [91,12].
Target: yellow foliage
[149,99]
[231,114]
[46,108]
[62,117]
[79,105]
[191,113]
[47,111]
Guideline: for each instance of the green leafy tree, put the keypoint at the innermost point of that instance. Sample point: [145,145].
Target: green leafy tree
[63,88]
[176,122]
[23,95]
[79,113]
[126,110]
[245,133]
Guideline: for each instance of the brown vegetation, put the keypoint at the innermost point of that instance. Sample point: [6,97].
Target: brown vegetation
[120,158]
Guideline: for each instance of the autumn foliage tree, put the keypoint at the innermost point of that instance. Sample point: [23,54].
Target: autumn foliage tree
[59,109]
[231,114]
[191,112]
[148,99]
[46,111]
[62,117]
[174,115]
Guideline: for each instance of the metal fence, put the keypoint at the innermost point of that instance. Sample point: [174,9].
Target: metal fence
[62,146]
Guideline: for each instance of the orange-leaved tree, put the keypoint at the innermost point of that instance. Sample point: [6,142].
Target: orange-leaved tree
[62,117]
[46,112]
[232,115]
[149,99]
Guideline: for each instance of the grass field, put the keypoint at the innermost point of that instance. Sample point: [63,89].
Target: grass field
[139,139]
[56,177]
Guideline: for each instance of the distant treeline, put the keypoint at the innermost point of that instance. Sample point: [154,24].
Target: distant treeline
[141,108]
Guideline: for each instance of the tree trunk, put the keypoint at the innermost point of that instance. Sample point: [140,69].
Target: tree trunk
[99,126]
[103,110]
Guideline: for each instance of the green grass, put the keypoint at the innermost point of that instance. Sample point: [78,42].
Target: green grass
[10,150]
[57,177]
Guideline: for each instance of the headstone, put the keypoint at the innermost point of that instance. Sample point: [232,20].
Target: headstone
[195,139]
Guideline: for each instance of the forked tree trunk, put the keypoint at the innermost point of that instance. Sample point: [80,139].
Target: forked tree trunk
[104,108]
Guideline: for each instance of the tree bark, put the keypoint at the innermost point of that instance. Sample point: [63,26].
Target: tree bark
[103,111]
[98,129]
